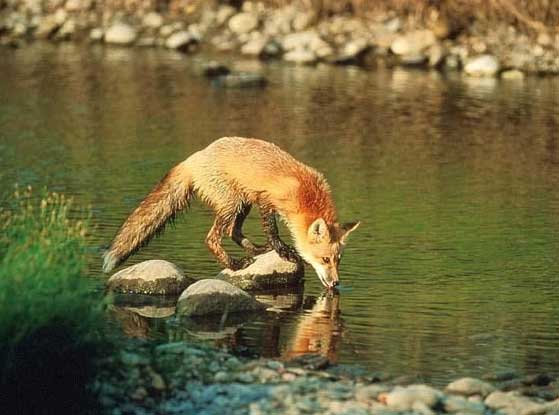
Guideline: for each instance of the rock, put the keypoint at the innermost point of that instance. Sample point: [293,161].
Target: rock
[411,398]
[413,42]
[77,5]
[120,34]
[150,277]
[243,23]
[151,311]
[268,271]
[512,74]
[254,47]
[414,59]
[544,39]
[301,21]
[458,404]
[370,393]
[512,403]
[211,296]
[301,40]
[436,55]
[180,41]
[212,69]
[152,20]
[393,25]
[482,65]
[67,30]
[224,13]
[166,30]
[96,34]
[353,51]
[309,361]
[452,62]
[300,56]
[47,27]
[470,386]
[240,80]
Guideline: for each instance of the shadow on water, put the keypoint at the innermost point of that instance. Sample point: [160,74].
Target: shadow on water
[454,270]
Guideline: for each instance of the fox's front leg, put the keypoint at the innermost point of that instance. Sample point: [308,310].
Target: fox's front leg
[271,228]
[213,241]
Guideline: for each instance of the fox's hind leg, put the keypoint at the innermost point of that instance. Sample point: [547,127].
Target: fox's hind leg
[240,239]
[223,224]
[271,228]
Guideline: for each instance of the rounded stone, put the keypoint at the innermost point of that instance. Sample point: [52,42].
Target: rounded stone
[268,271]
[120,34]
[483,65]
[179,40]
[243,23]
[470,386]
[212,296]
[150,277]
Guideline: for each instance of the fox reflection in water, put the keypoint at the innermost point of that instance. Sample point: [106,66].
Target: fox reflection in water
[318,330]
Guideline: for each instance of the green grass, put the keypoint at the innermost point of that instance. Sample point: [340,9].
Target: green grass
[50,319]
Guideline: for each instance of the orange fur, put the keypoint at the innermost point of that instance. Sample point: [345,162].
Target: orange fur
[227,175]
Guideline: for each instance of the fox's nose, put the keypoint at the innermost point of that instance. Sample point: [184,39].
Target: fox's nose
[335,283]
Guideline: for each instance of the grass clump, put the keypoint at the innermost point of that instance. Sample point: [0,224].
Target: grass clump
[50,318]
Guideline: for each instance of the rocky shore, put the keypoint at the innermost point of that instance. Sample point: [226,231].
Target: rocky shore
[177,378]
[288,33]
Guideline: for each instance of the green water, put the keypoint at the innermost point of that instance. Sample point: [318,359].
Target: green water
[454,270]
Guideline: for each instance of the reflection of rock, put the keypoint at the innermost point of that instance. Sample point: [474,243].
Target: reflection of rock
[150,277]
[133,325]
[267,272]
[150,311]
[213,296]
[283,299]
[319,330]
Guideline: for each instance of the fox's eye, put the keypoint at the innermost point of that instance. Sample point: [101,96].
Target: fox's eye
[326,260]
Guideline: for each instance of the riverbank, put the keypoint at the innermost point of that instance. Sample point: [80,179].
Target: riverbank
[292,33]
[178,378]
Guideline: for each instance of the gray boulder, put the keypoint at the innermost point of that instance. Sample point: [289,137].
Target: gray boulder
[211,296]
[180,40]
[150,277]
[268,271]
[470,386]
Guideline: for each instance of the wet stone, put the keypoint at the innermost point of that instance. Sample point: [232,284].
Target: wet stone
[240,80]
[309,362]
[211,296]
[269,271]
[156,277]
[470,386]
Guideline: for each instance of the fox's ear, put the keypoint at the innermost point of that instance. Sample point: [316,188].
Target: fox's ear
[318,231]
[347,228]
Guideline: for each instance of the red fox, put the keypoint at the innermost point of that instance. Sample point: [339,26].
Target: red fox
[231,175]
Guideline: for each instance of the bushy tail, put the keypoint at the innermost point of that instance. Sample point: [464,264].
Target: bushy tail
[170,195]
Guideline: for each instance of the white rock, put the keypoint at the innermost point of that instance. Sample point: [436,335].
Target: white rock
[512,403]
[413,42]
[243,23]
[470,386]
[224,13]
[150,277]
[120,34]
[300,40]
[96,34]
[179,40]
[512,74]
[211,296]
[268,271]
[152,20]
[412,397]
[483,65]
[254,47]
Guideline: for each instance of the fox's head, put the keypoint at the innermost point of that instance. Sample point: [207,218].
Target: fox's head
[323,246]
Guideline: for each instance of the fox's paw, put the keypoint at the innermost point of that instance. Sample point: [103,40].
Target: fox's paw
[242,263]
[288,253]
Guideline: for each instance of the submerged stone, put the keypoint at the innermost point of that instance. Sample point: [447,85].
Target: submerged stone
[240,80]
[212,296]
[268,271]
[150,277]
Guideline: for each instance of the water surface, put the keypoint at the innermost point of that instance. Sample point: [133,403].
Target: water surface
[454,270]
